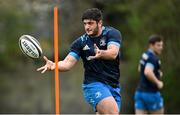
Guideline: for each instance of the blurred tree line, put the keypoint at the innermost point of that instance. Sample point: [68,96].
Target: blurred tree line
[23,90]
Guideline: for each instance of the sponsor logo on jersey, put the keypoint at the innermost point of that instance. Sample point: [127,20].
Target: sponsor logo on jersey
[86,47]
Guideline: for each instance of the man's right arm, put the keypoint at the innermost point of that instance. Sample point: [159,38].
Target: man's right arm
[64,65]
[148,71]
[67,63]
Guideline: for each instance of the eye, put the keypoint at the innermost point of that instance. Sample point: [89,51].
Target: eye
[85,23]
[90,23]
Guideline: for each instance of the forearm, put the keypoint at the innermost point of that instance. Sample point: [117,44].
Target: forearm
[67,63]
[63,66]
[151,77]
[108,54]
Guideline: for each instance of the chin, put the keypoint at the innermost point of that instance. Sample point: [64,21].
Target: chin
[159,53]
[90,34]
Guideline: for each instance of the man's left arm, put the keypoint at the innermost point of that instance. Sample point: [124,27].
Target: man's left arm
[109,54]
[113,46]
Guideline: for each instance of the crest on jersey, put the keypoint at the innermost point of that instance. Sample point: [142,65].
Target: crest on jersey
[98,94]
[159,62]
[145,56]
[102,42]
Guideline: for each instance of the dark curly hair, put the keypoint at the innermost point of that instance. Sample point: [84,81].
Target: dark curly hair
[155,38]
[92,13]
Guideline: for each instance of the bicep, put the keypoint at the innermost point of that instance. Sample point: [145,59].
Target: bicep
[149,69]
[113,49]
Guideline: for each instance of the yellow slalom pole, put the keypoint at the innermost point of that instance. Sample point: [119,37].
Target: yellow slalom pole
[57,105]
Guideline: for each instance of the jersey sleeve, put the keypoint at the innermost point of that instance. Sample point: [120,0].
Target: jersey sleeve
[150,63]
[114,37]
[75,49]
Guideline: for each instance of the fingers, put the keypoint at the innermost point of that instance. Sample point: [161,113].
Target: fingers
[45,58]
[95,46]
[91,57]
[96,49]
[160,85]
[48,66]
[41,68]
[45,69]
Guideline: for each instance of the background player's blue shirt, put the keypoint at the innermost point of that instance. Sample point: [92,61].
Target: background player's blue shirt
[106,71]
[149,58]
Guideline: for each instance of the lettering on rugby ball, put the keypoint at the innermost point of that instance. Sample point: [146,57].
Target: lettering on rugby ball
[30,46]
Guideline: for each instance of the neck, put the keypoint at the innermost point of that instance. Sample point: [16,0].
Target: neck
[100,29]
[153,51]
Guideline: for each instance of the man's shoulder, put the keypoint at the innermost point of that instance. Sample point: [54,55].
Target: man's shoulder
[108,30]
[81,38]
[149,56]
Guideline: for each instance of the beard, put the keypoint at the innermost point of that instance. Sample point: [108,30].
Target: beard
[95,32]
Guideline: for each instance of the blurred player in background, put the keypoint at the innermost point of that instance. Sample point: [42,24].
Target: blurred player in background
[99,49]
[148,99]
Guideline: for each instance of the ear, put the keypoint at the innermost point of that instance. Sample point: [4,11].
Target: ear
[100,23]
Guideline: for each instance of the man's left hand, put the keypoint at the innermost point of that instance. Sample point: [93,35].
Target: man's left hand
[98,53]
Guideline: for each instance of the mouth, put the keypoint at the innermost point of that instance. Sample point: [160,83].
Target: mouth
[89,31]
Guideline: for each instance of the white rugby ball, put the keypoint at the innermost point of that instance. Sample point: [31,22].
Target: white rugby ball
[30,46]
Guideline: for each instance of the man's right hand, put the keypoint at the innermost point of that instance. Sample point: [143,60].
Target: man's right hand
[48,66]
[160,85]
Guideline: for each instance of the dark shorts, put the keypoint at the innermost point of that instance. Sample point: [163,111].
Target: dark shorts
[95,92]
[148,101]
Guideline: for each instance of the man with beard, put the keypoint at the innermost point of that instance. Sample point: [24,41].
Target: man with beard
[99,49]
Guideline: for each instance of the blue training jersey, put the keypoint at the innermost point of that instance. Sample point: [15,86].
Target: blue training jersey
[149,58]
[106,71]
